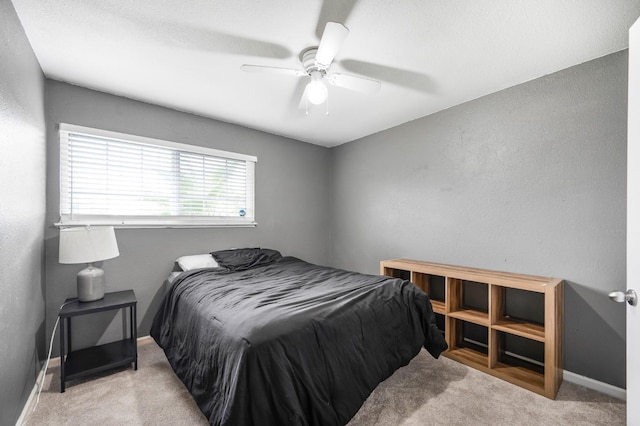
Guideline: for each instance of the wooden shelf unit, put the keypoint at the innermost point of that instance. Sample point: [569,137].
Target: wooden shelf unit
[445,284]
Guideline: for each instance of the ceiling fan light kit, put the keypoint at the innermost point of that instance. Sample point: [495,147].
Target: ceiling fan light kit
[316,62]
[316,89]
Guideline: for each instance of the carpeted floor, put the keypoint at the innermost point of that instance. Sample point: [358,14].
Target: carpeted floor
[426,392]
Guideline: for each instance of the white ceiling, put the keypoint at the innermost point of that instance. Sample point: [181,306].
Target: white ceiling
[429,55]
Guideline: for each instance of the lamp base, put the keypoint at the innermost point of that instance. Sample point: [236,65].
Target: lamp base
[90,284]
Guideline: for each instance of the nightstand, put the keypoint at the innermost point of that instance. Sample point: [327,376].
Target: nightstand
[91,360]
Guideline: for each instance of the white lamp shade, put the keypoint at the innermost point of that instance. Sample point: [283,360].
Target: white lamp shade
[87,244]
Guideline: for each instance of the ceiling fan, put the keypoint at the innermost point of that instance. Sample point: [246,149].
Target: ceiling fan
[315,65]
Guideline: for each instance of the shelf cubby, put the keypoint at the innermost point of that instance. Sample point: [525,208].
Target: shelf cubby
[434,286]
[441,320]
[524,318]
[467,342]
[467,301]
[504,324]
[397,273]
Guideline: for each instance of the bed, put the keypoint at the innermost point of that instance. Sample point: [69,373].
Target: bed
[262,339]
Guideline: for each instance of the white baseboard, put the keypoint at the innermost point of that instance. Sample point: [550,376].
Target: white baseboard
[31,401]
[601,387]
[53,362]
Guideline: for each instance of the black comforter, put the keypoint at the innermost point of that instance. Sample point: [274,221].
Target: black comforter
[285,342]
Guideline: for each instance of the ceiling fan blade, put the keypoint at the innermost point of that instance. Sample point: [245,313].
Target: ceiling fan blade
[232,44]
[401,77]
[332,38]
[336,11]
[272,70]
[358,84]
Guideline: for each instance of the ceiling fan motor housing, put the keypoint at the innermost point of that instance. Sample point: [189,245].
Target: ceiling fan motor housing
[308,60]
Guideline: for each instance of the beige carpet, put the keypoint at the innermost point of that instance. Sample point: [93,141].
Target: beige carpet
[426,392]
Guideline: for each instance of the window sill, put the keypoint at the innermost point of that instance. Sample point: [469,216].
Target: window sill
[151,224]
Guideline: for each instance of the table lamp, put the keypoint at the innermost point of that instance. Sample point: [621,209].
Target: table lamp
[87,245]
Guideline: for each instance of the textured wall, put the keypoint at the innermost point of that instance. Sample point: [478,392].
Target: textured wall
[22,210]
[530,179]
[292,194]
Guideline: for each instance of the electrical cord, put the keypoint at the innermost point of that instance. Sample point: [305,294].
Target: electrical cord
[46,365]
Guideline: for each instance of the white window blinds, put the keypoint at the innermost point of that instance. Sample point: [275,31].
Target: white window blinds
[112,178]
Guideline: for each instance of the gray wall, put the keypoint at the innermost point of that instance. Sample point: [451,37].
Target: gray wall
[530,179]
[22,210]
[292,192]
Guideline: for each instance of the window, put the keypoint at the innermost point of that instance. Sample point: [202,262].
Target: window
[109,178]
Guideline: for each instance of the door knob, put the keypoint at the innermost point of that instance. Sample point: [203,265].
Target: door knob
[629,296]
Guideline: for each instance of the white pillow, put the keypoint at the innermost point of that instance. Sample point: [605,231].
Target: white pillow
[196,261]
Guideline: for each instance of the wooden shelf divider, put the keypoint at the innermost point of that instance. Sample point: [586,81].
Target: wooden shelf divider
[438,307]
[496,321]
[469,315]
